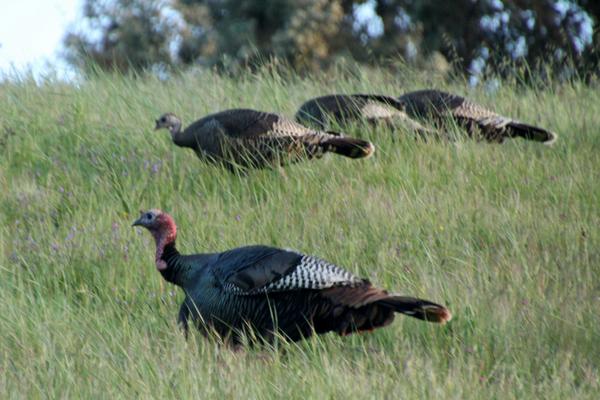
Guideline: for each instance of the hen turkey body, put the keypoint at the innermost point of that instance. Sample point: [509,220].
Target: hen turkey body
[250,138]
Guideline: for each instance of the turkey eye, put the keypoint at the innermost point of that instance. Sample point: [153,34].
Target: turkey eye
[149,216]
[163,119]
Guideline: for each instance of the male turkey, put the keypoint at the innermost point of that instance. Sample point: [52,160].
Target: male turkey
[249,138]
[258,291]
[371,108]
[441,109]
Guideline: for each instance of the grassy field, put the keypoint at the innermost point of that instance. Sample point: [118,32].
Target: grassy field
[507,236]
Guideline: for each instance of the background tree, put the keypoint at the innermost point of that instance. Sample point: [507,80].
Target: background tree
[591,58]
[474,35]
[488,33]
[120,35]
[301,32]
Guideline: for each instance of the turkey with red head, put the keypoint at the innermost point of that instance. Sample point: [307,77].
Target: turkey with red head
[261,291]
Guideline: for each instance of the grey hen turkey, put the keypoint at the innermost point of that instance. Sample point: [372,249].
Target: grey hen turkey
[347,108]
[250,138]
[441,108]
[261,291]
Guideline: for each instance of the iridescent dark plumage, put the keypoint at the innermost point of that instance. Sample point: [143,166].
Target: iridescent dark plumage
[260,291]
[441,108]
[249,138]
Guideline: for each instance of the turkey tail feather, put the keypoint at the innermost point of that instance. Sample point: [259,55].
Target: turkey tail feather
[417,308]
[531,132]
[349,147]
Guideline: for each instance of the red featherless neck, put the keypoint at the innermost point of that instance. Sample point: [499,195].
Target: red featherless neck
[164,235]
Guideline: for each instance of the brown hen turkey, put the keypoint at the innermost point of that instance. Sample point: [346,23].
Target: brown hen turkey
[443,109]
[250,138]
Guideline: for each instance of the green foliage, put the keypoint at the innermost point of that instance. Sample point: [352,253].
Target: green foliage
[475,36]
[506,235]
[129,35]
[533,32]
[225,32]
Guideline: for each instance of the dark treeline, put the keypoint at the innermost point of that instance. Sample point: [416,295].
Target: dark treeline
[473,37]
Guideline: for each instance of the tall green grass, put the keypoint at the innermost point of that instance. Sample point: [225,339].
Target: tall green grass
[507,236]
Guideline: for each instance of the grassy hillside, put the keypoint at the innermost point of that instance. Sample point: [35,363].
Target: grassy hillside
[507,236]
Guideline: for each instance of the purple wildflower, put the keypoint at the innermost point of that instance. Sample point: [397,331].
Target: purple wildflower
[71,234]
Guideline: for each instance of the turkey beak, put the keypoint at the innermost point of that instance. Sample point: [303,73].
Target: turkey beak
[137,222]
[156,127]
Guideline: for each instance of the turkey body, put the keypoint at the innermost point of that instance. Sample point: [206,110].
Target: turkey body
[441,109]
[345,109]
[261,291]
[250,138]
[429,113]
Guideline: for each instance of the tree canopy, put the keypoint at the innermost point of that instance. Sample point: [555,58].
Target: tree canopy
[474,36]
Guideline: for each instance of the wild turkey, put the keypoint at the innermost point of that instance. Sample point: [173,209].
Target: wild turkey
[258,291]
[440,108]
[249,138]
[343,109]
